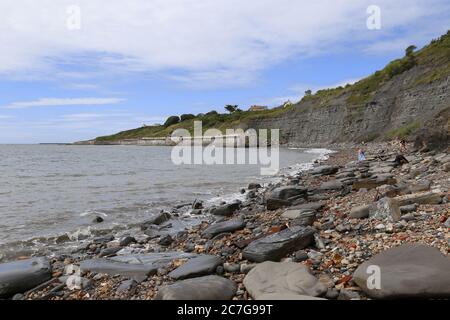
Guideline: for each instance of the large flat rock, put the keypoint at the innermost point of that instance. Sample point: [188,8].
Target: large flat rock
[225,226]
[275,246]
[408,271]
[288,192]
[324,170]
[198,266]
[20,276]
[203,288]
[282,279]
[134,266]
[420,198]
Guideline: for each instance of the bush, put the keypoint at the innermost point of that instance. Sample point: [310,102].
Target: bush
[186,116]
[171,121]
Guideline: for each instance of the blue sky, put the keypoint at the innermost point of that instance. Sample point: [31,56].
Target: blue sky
[121,65]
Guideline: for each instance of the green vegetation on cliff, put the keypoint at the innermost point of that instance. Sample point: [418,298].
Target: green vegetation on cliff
[433,61]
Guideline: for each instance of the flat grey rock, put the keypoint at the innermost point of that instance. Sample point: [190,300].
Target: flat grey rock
[420,198]
[300,218]
[408,271]
[360,212]
[133,266]
[282,279]
[226,209]
[288,192]
[275,246]
[274,204]
[324,170]
[20,276]
[225,226]
[155,219]
[198,266]
[202,288]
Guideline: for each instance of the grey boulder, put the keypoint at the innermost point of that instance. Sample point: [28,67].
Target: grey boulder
[199,266]
[408,271]
[360,212]
[203,288]
[20,276]
[385,209]
[226,209]
[290,280]
[324,170]
[275,246]
[225,226]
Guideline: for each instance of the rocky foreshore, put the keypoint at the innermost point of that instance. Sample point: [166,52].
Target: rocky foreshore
[345,230]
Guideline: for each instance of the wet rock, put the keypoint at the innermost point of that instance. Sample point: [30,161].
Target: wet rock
[254,186]
[275,246]
[274,204]
[324,170]
[133,266]
[108,252]
[226,210]
[97,219]
[103,240]
[198,204]
[199,266]
[288,192]
[282,278]
[20,276]
[408,271]
[385,209]
[225,226]
[166,241]
[360,212]
[196,212]
[202,288]
[156,219]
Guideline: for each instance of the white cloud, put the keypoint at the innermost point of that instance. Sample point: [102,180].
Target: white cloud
[5,117]
[52,102]
[220,41]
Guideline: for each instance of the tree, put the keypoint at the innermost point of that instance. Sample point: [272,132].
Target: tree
[308,92]
[171,121]
[186,116]
[231,108]
[410,50]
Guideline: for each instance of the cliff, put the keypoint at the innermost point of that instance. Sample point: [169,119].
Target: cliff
[409,94]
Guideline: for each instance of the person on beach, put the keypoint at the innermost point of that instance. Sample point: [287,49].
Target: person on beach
[361,155]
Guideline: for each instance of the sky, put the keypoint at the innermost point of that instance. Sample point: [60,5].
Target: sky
[74,70]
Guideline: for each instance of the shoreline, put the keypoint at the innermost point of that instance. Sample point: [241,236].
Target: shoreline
[341,243]
[70,240]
